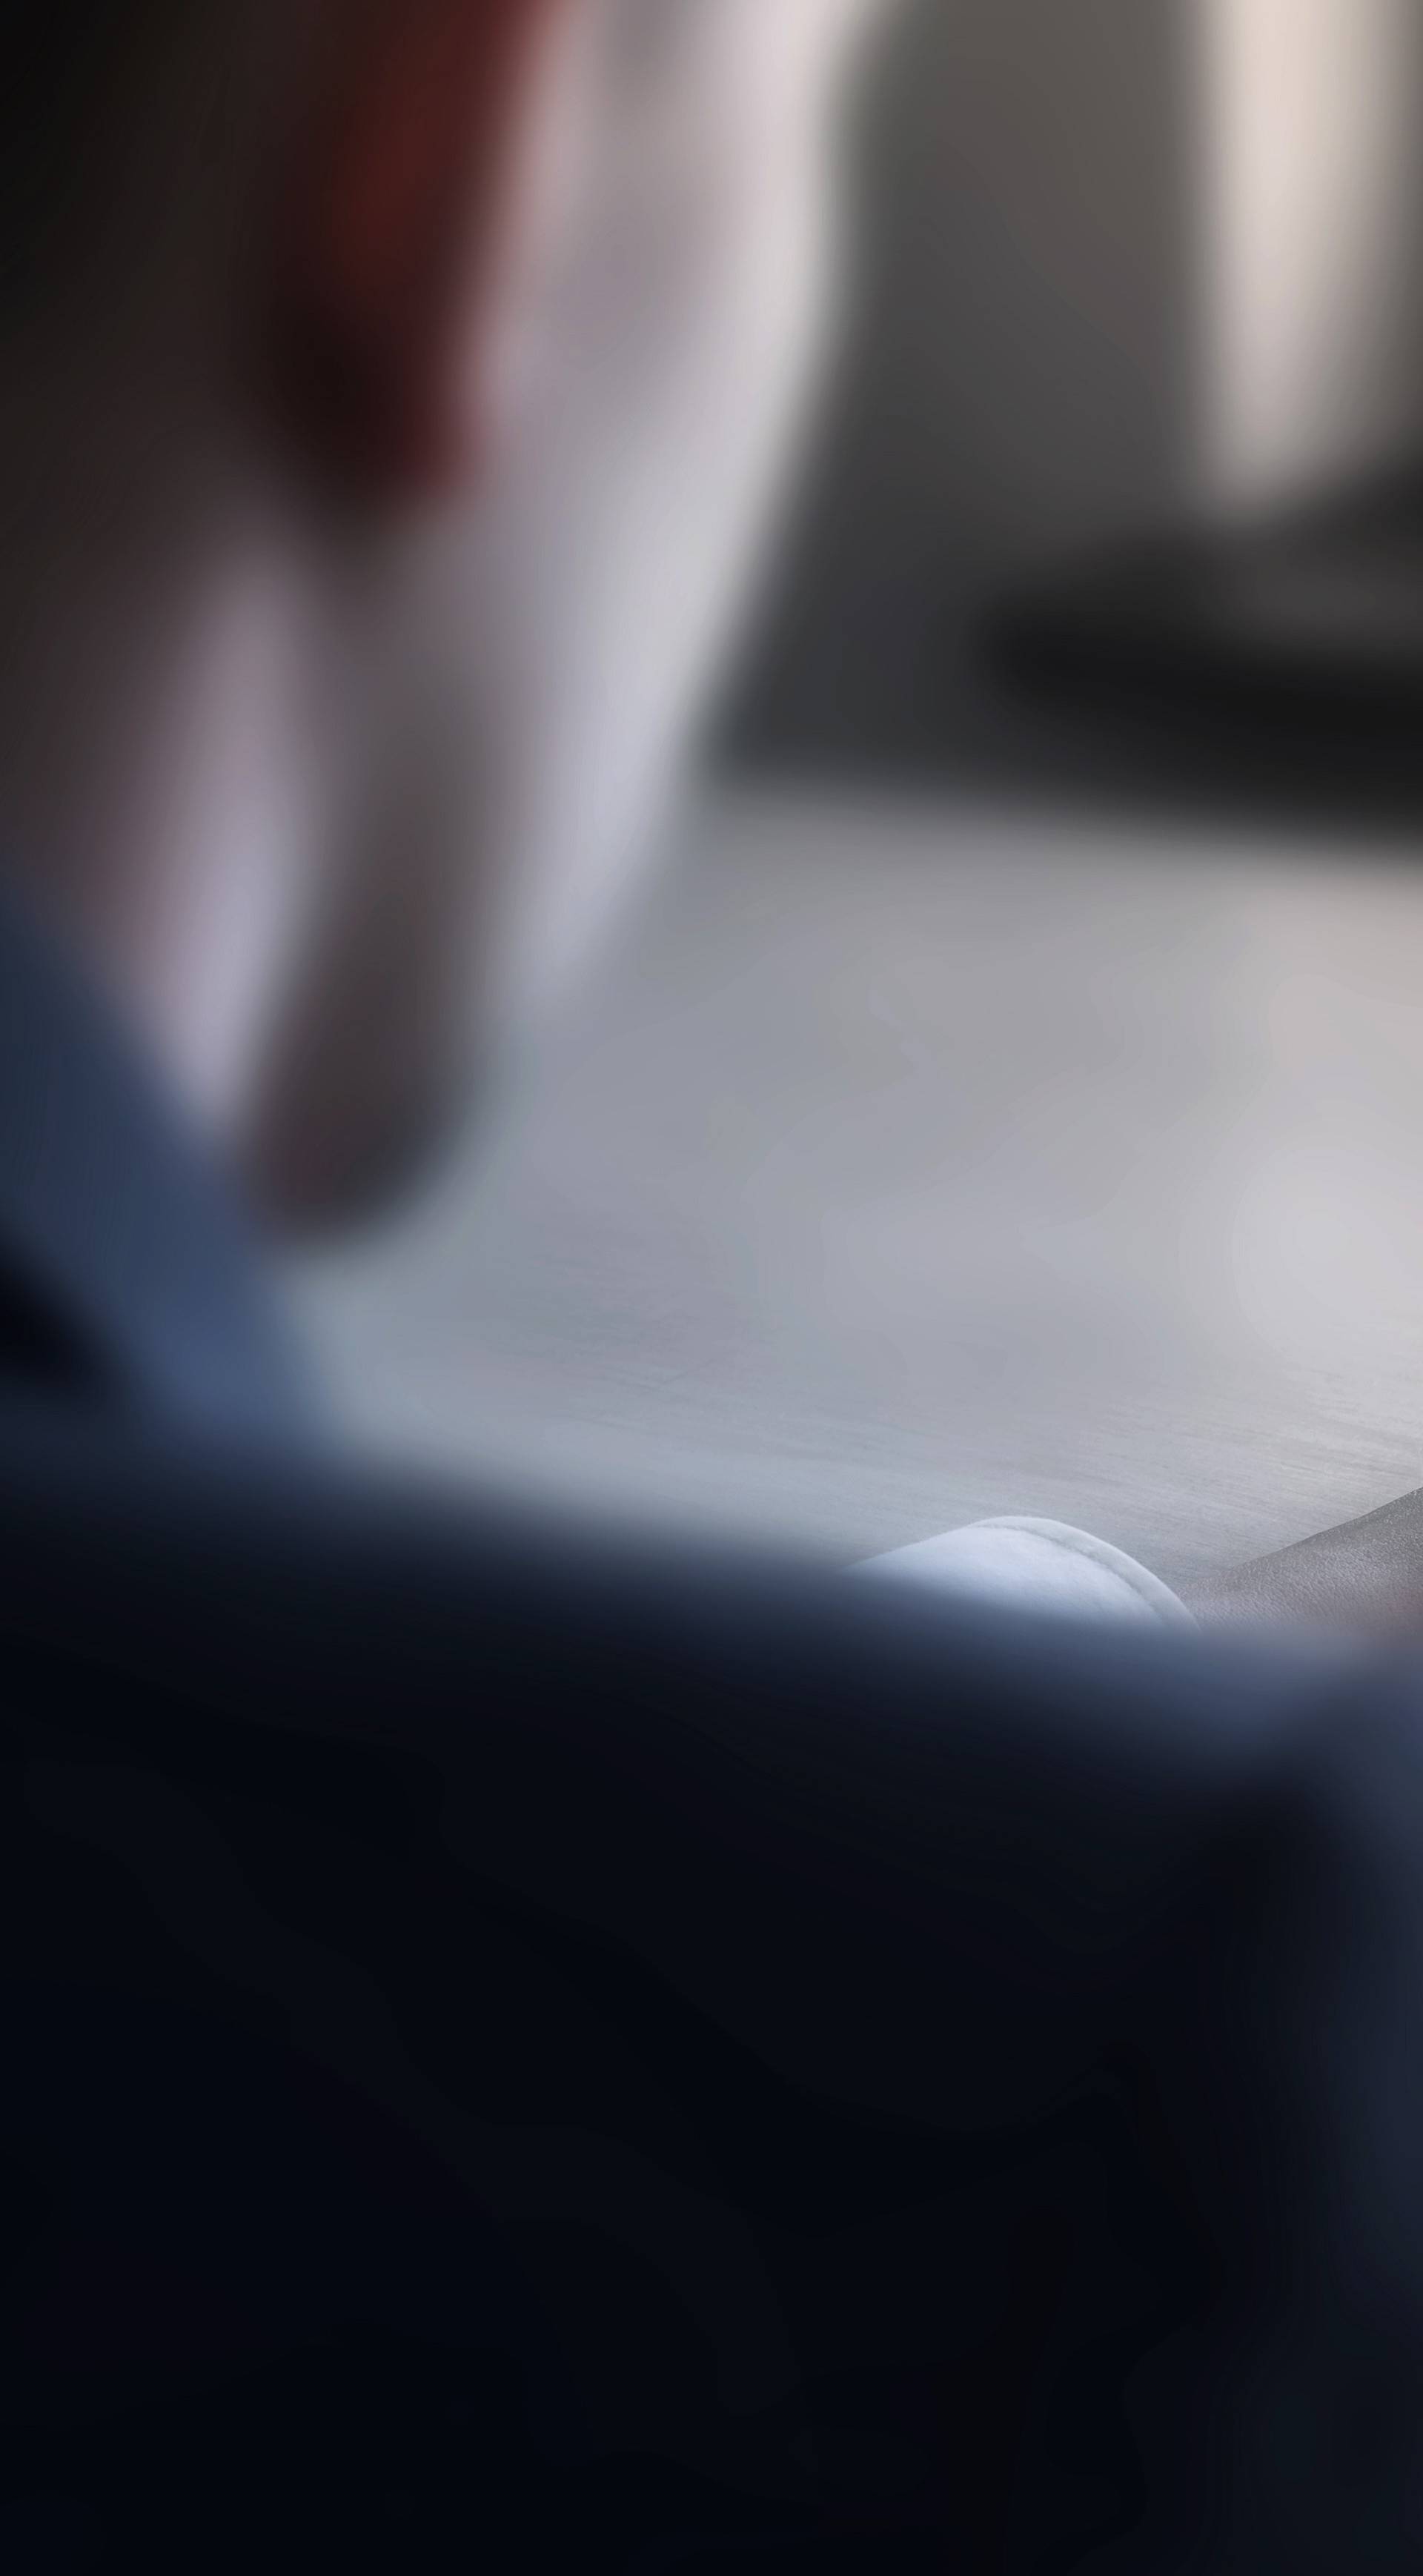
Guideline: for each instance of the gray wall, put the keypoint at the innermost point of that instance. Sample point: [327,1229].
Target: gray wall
[1019,375]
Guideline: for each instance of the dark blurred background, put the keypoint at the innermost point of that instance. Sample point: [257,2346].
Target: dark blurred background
[1123,479]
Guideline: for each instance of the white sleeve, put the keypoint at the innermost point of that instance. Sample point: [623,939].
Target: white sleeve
[1036,1565]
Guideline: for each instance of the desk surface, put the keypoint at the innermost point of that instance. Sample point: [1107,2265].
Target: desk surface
[907,1163]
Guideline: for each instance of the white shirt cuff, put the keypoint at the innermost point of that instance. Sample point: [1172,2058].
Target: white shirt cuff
[1037,1565]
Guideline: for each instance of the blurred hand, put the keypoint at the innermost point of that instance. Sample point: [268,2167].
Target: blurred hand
[664,308]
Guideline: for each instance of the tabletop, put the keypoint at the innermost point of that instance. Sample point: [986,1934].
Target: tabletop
[908,1161]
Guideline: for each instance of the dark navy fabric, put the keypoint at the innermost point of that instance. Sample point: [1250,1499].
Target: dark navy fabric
[521,2053]
[125,1265]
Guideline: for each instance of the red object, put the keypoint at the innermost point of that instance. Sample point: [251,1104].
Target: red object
[389,231]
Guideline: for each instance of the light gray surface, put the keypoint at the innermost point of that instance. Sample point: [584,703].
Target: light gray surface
[906,1165]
